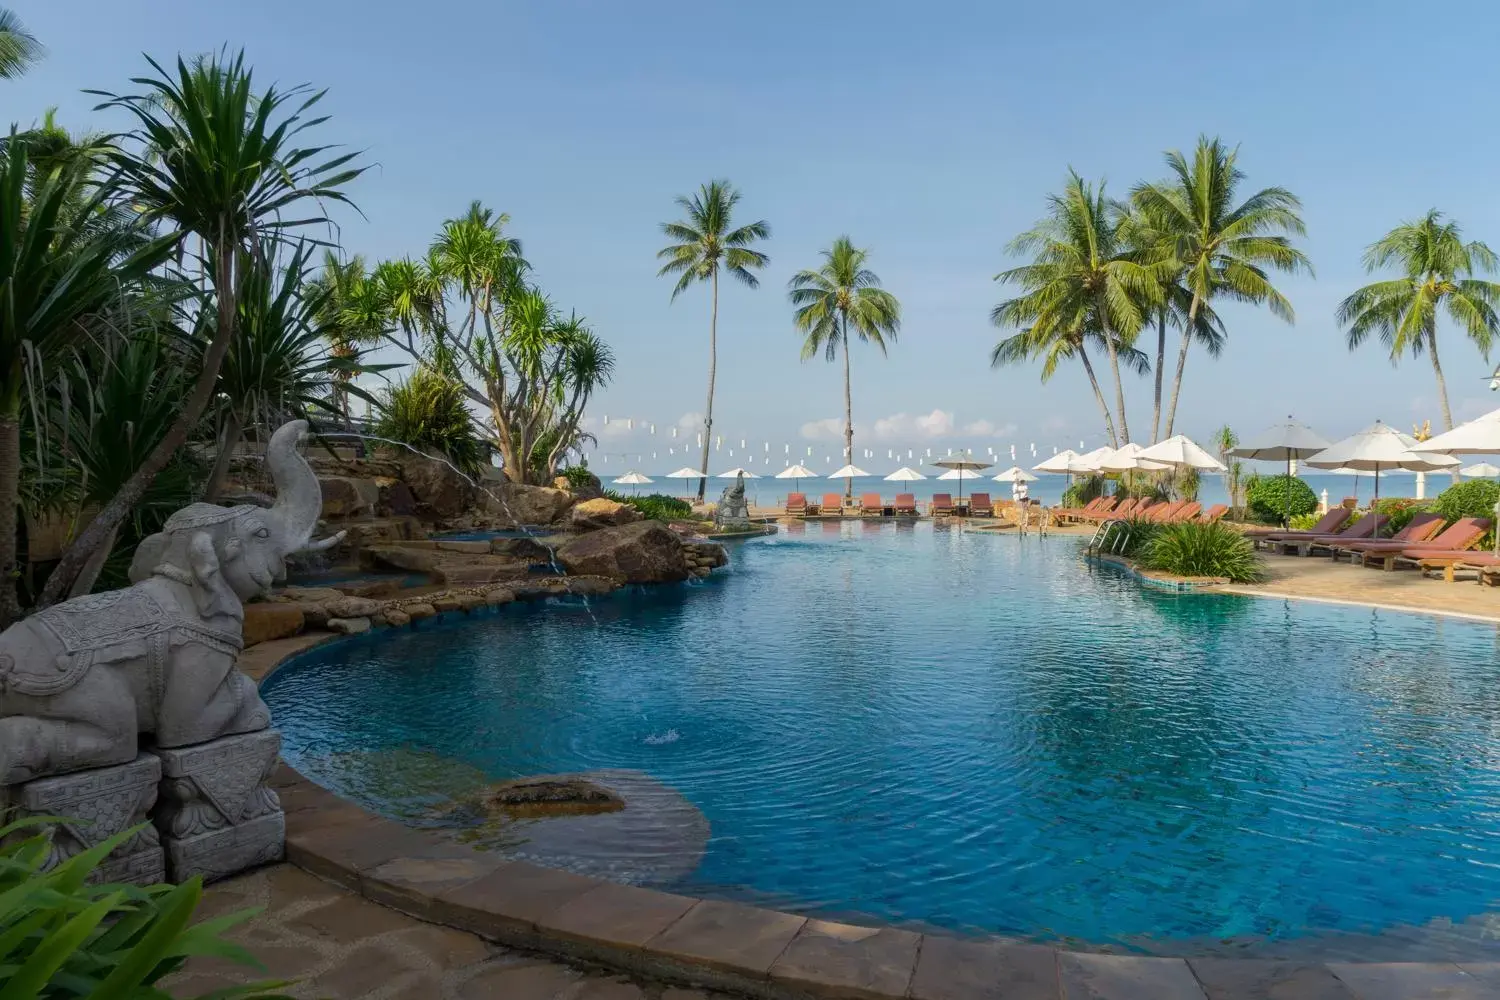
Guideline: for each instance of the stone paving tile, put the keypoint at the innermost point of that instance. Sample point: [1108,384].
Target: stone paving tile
[350,918]
[729,936]
[538,981]
[1126,977]
[955,969]
[1248,979]
[621,916]
[845,961]
[1412,981]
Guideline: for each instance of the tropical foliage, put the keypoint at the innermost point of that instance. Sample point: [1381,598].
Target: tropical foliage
[61,937]
[18,47]
[1437,277]
[841,294]
[1470,498]
[430,412]
[1275,498]
[704,242]
[656,506]
[1195,549]
[1400,511]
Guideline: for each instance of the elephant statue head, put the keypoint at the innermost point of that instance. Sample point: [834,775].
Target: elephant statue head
[230,554]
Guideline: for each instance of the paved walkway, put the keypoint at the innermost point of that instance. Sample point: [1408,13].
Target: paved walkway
[338,945]
[1321,578]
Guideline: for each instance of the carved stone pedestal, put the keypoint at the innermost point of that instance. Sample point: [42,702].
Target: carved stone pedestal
[96,805]
[216,814]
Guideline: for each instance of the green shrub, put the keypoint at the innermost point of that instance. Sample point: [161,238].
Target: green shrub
[60,937]
[656,506]
[430,412]
[579,476]
[1471,498]
[1140,532]
[1400,510]
[1190,549]
[1082,490]
[1271,498]
[1302,522]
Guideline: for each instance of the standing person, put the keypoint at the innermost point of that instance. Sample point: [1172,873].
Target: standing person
[1021,497]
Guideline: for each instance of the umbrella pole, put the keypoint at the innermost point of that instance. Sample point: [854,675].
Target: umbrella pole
[1375,504]
[1286,497]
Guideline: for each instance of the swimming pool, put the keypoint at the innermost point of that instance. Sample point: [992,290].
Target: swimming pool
[977,732]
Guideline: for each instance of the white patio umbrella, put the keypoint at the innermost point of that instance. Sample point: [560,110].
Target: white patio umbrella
[1128,458]
[686,474]
[848,474]
[1088,462]
[1057,463]
[732,473]
[1015,474]
[1180,452]
[633,478]
[905,474]
[1481,470]
[1480,436]
[1378,448]
[959,466]
[1285,442]
[797,473]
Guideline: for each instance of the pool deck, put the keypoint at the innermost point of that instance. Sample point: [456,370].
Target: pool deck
[1318,578]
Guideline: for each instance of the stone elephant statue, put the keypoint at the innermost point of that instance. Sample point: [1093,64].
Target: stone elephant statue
[82,681]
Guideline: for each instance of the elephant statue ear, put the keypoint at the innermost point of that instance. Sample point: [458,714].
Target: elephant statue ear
[212,594]
[148,555]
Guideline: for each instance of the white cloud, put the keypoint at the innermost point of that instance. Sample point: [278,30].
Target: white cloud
[831,428]
[614,430]
[905,427]
[690,422]
[986,428]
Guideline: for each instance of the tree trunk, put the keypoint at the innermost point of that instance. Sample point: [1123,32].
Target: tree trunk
[1109,425]
[91,569]
[10,490]
[1161,361]
[1114,367]
[233,426]
[713,368]
[123,502]
[1182,353]
[1437,369]
[848,414]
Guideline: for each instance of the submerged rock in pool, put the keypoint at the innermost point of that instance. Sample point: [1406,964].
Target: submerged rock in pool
[656,838]
[560,795]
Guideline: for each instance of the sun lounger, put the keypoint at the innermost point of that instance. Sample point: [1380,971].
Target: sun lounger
[796,504]
[942,505]
[1186,512]
[1485,564]
[1142,505]
[1452,563]
[1124,511]
[1164,512]
[906,504]
[833,505]
[980,505]
[1303,544]
[1214,513]
[1417,531]
[869,503]
[1460,536]
[1327,525]
[1098,505]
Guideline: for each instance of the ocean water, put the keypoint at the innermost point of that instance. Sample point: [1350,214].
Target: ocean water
[978,732]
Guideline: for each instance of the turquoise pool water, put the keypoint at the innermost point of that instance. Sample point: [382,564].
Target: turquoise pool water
[976,732]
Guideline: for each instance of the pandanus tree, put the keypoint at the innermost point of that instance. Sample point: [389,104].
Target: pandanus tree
[1220,249]
[705,242]
[1438,276]
[1083,277]
[831,299]
[59,268]
[211,158]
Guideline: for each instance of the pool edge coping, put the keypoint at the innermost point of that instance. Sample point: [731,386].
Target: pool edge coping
[705,943]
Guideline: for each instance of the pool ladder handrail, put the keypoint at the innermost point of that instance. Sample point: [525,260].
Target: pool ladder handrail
[1101,540]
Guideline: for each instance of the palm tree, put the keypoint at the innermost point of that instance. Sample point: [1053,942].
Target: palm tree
[703,243]
[1054,346]
[215,160]
[1437,274]
[840,294]
[18,47]
[1083,276]
[1220,248]
[1225,441]
[57,269]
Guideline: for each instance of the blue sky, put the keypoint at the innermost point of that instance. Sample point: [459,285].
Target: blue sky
[929,133]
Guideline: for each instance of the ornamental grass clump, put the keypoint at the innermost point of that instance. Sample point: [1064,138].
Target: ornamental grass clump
[1191,549]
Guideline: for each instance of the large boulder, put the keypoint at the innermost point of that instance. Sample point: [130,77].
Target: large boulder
[643,552]
[588,515]
[533,504]
[437,486]
[345,497]
[264,622]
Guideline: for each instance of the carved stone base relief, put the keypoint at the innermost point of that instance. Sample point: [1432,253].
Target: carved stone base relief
[216,814]
[96,805]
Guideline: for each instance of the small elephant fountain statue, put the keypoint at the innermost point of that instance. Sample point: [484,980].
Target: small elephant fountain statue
[733,513]
[127,704]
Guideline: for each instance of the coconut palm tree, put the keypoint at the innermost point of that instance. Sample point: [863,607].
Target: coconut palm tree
[57,269]
[211,158]
[1083,275]
[1437,276]
[703,244]
[18,47]
[840,294]
[1220,248]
